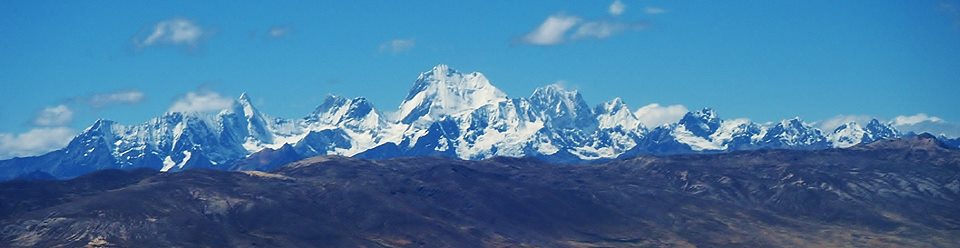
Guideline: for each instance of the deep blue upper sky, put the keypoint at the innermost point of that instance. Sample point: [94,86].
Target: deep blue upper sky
[763,60]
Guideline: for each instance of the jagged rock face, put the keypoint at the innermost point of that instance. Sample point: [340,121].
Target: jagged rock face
[701,123]
[794,134]
[356,114]
[447,113]
[444,91]
[323,142]
[560,108]
[852,133]
[900,193]
[879,131]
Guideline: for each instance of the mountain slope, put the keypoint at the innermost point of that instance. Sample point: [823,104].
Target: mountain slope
[902,193]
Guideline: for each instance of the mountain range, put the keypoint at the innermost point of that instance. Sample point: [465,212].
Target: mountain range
[447,113]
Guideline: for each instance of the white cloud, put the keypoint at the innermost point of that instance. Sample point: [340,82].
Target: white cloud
[34,142]
[654,115]
[654,10]
[552,30]
[177,31]
[398,45]
[54,116]
[923,123]
[617,8]
[602,29]
[204,101]
[277,32]
[829,125]
[915,119]
[120,97]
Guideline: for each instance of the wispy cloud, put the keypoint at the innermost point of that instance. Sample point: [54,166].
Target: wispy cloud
[119,97]
[603,29]
[653,115]
[397,45]
[923,123]
[54,116]
[654,10]
[617,8]
[915,119]
[279,31]
[202,101]
[552,31]
[50,131]
[176,32]
[34,142]
[560,28]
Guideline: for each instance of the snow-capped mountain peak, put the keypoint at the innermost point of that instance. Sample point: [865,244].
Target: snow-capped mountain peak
[847,135]
[701,123]
[616,113]
[561,108]
[794,133]
[355,113]
[247,105]
[703,130]
[852,133]
[445,91]
[245,123]
[879,131]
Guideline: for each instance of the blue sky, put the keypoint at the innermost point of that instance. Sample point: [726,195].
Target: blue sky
[67,63]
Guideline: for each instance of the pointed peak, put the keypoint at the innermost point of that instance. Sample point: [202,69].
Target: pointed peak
[705,115]
[612,106]
[438,71]
[707,112]
[557,92]
[244,105]
[877,125]
[881,130]
[793,122]
[847,125]
[330,101]
[555,88]
[360,99]
[442,69]
[449,77]
[444,91]
[554,92]
[102,122]
[336,101]
[100,125]
[333,98]
[361,102]
[617,101]
[703,122]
